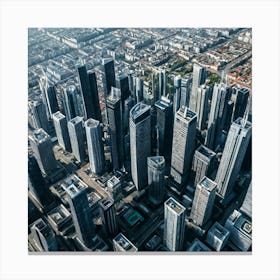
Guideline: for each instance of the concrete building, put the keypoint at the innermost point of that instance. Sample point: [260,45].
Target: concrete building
[177,93]
[94,132]
[123,84]
[114,187]
[217,236]
[203,163]
[81,214]
[77,138]
[203,94]
[174,225]
[122,244]
[140,143]
[183,144]
[70,102]
[203,202]
[114,112]
[94,96]
[156,170]
[235,148]
[61,129]
[162,76]
[240,229]
[41,146]
[51,99]
[43,236]
[246,207]
[108,216]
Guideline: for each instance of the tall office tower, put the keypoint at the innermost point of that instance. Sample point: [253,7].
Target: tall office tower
[61,129]
[122,244]
[155,87]
[162,83]
[94,132]
[81,214]
[246,207]
[165,127]
[86,91]
[185,92]
[41,146]
[128,104]
[235,148]
[228,119]
[51,99]
[43,236]
[217,236]
[131,82]
[108,75]
[203,201]
[70,102]
[218,113]
[199,76]
[77,138]
[203,93]
[241,96]
[114,112]
[156,170]
[108,216]
[37,184]
[203,163]
[177,93]
[39,115]
[114,187]
[123,85]
[140,143]
[139,90]
[183,144]
[94,96]
[240,229]
[174,224]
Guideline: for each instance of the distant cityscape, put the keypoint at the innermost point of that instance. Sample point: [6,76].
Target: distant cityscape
[139,139]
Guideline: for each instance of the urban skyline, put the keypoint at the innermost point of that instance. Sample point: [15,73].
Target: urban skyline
[139,139]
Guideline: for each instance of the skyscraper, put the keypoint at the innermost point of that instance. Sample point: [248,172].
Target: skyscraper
[185,92]
[218,113]
[38,111]
[199,76]
[61,129]
[140,143]
[183,145]
[96,114]
[70,102]
[162,83]
[51,99]
[174,224]
[156,170]
[123,85]
[77,138]
[241,99]
[203,93]
[203,163]
[128,104]
[37,184]
[164,127]
[108,216]
[43,236]
[42,148]
[108,75]
[177,93]
[94,133]
[203,201]
[81,214]
[139,89]
[246,207]
[114,111]
[114,187]
[235,148]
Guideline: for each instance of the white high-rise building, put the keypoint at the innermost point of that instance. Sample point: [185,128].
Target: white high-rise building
[183,145]
[174,224]
[235,148]
[203,201]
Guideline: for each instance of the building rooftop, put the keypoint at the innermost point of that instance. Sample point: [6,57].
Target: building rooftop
[175,205]
[156,161]
[76,120]
[92,123]
[198,246]
[58,115]
[39,135]
[186,113]
[139,111]
[207,184]
[163,103]
[113,181]
[106,203]
[122,241]
[206,151]
[218,231]
[59,214]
